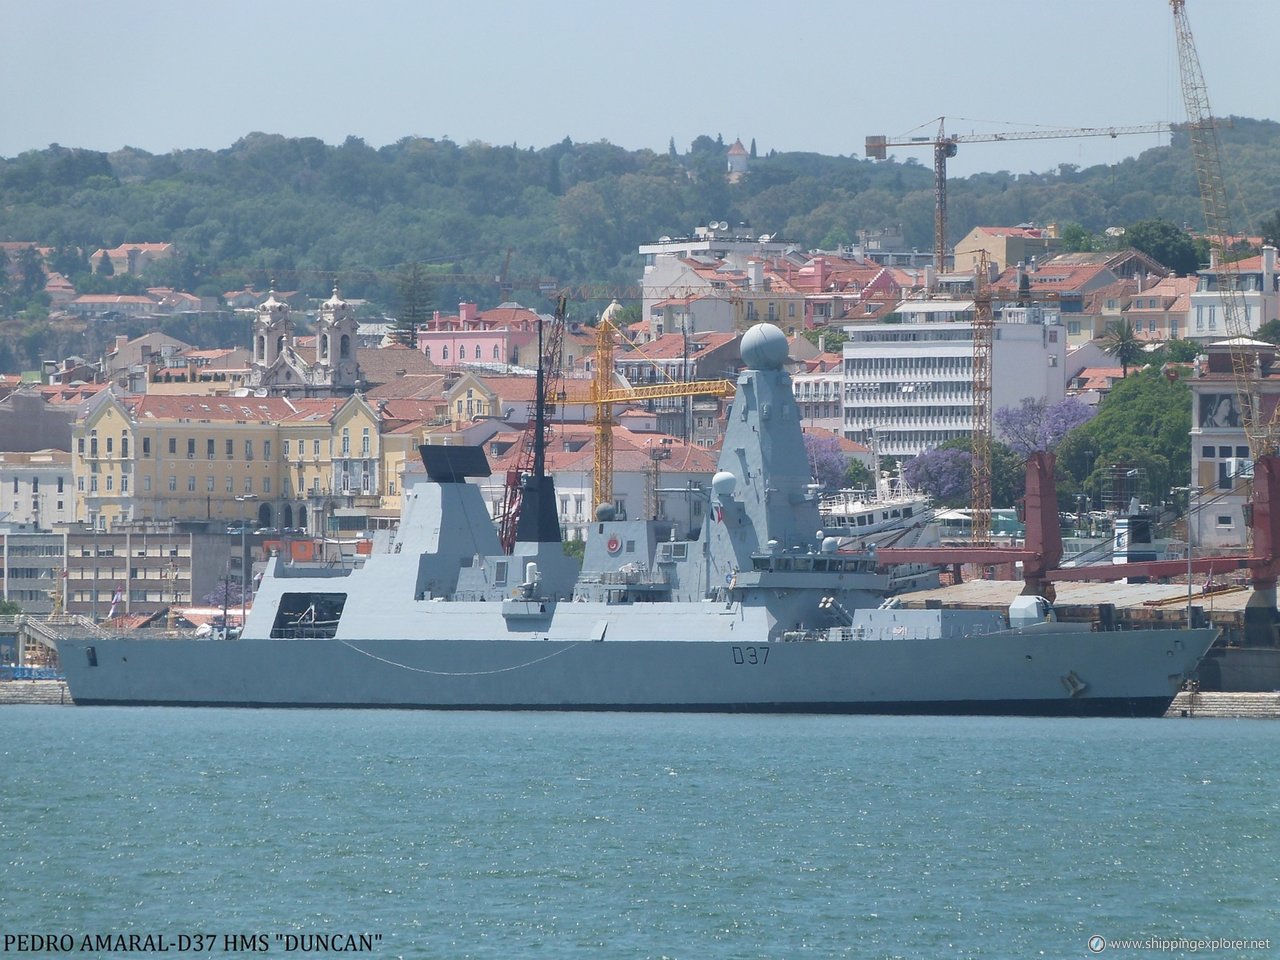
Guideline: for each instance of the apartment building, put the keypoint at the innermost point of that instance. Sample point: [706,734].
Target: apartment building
[911,383]
[37,489]
[1258,286]
[1220,455]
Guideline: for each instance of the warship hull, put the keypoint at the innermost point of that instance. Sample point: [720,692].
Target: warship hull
[1043,673]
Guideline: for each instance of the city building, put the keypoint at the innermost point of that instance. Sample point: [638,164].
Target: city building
[1258,284]
[37,489]
[1220,456]
[1006,246]
[910,384]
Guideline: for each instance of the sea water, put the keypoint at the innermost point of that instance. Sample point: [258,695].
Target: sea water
[504,835]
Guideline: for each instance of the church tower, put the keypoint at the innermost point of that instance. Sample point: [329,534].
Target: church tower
[272,333]
[336,344]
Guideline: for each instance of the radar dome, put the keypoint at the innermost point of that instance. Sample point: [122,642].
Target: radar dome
[606,511]
[764,347]
[724,483]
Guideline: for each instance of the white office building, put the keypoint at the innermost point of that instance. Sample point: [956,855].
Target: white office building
[912,382]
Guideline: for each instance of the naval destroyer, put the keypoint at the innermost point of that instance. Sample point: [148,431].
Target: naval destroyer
[761,611]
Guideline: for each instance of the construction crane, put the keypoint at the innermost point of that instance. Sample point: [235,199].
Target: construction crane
[946,145]
[1264,566]
[1207,153]
[534,438]
[604,395]
[980,458]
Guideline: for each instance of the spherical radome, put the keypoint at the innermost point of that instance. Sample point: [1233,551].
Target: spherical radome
[724,483]
[764,347]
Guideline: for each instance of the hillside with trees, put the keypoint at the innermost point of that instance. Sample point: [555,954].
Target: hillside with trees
[300,212]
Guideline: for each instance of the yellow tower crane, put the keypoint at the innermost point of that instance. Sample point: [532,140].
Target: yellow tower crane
[946,145]
[604,395]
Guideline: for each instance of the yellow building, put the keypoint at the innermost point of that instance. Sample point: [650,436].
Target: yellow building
[271,461]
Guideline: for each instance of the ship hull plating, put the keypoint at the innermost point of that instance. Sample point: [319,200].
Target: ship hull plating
[1004,674]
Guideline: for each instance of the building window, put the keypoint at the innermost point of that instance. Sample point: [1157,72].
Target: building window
[109,445]
[364,443]
[173,482]
[93,444]
[477,351]
[266,449]
[231,485]
[59,484]
[315,447]
[110,483]
[146,484]
[208,484]
[266,484]
[248,484]
[444,353]
[208,449]
[231,449]
[286,447]
[191,448]
[173,446]
[191,484]
[93,484]
[248,449]
[497,353]
[146,446]
[346,442]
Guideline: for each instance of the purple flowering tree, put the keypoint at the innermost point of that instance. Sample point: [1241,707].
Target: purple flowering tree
[1036,426]
[827,462]
[944,474]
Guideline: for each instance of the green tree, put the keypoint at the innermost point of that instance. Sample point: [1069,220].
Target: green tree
[1166,242]
[858,476]
[1076,239]
[1144,420]
[832,338]
[1270,229]
[415,305]
[1121,341]
[105,267]
[10,608]
[1269,331]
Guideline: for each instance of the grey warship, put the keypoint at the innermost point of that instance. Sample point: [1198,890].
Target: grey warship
[760,612]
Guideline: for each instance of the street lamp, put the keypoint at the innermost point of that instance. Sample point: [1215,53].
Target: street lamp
[244,560]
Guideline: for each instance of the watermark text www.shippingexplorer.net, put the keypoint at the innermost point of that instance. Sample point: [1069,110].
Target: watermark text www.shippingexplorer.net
[1099,944]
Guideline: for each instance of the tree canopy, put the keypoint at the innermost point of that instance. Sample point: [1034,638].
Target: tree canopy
[1166,242]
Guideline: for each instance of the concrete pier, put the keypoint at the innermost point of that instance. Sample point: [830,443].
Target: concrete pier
[35,691]
[1194,703]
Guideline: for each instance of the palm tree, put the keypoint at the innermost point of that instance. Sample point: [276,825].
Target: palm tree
[1121,341]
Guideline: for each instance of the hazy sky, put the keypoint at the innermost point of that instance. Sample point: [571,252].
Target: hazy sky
[818,75]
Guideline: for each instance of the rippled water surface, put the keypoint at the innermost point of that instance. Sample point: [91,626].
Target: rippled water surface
[491,835]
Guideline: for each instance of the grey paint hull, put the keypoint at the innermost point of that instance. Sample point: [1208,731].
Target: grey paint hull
[1121,673]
